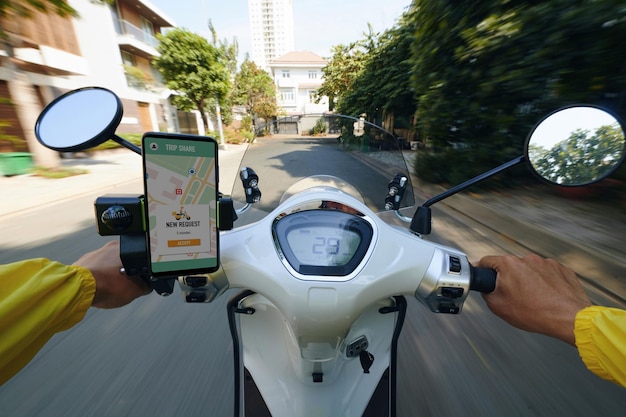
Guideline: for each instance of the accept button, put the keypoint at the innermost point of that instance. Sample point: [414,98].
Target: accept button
[183,243]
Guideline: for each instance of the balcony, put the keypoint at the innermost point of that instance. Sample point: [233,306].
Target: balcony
[140,80]
[51,61]
[135,39]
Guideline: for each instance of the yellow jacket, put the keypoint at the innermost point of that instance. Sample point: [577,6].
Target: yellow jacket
[601,340]
[38,298]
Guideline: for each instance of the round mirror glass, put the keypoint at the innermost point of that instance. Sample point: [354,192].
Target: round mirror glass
[576,146]
[79,120]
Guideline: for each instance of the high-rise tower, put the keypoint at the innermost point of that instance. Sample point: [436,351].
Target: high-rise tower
[271,25]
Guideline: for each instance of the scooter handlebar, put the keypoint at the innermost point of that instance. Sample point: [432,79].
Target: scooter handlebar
[482,279]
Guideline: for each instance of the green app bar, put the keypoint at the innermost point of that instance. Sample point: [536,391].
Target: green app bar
[175,147]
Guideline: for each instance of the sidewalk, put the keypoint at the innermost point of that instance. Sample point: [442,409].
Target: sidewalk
[106,169]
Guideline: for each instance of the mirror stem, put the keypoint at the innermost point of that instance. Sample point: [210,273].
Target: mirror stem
[127,144]
[473,181]
[421,221]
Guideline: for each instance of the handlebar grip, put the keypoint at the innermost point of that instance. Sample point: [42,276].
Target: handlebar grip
[482,279]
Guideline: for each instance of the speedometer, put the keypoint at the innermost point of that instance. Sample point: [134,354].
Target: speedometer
[323,242]
[321,245]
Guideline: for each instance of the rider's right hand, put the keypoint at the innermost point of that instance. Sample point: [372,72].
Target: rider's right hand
[536,294]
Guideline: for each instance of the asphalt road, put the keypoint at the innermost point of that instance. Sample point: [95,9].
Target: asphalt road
[162,357]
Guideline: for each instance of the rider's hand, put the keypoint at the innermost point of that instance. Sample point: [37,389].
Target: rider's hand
[536,294]
[113,288]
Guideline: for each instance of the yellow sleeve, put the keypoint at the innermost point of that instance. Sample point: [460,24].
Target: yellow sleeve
[38,298]
[601,340]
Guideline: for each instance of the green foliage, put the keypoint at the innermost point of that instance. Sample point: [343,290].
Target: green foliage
[26,8]
[319,128]
[582,158]
[134,138]
[13,141]
[56,173]
[136,76]
[194,68]
[246,123]
[255,89]
[248,136]
[10,139]
[475,77]
[485,72]
[382,85]
[229,50]
[343,68]
[228,56]
[348,140]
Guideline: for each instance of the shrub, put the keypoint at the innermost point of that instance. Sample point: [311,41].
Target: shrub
[319,128]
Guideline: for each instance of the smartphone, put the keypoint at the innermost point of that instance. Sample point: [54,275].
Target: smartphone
[180,184]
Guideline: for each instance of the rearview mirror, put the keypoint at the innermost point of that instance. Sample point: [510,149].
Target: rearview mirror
[576,146]
[79,120]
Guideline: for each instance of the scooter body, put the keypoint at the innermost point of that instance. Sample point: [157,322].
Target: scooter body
[323,277]
[323,345]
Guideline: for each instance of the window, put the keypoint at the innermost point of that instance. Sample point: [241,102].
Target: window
[312,95]
[128,59]
[287,95]
[312,75]
[116,19]
[286,74]
[147,27]
[148,32]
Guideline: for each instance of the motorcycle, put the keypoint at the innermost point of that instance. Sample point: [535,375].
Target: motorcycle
[323,256]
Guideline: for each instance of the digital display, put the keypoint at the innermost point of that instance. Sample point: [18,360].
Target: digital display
[323,245]
[181,195]
[323,242]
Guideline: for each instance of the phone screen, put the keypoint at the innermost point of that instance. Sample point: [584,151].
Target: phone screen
[181,182]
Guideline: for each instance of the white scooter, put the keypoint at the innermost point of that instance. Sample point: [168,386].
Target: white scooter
[323,268]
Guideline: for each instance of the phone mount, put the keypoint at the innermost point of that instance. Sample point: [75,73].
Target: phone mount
[123,215]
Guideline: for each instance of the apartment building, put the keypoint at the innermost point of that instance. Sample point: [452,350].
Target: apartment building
[107,45]
[271,26]
[298,75]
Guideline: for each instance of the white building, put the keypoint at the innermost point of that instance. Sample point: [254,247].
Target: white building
[298,75]
[118,42]
[109,45]
[271,26]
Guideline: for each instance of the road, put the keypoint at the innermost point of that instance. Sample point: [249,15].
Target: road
[162,357]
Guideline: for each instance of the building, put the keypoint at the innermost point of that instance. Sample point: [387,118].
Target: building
[108,45]
[298,75]
[271,26]
[118,41]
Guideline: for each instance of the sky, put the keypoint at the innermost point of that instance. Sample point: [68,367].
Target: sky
[318,24]
[559,126]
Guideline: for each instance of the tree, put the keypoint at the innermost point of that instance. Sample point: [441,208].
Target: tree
[192,67]
[255,89]
[485,72]
[382,88]
[343,68]
[370,76]
[228,56]
[583,157]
